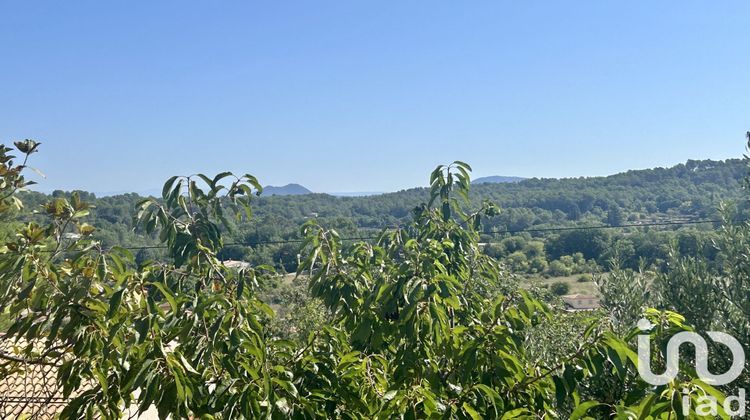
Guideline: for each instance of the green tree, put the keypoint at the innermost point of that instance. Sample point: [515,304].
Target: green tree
[286,257]
[615,216]
[592,243]
[517,262]
[560,288]
[715,297]
[557,268]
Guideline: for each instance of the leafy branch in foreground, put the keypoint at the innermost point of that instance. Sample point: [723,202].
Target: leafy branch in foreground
[11,175]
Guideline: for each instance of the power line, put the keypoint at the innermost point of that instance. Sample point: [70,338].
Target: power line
[509,231]
[648,224]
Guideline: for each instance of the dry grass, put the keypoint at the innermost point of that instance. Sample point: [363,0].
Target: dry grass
[585,288]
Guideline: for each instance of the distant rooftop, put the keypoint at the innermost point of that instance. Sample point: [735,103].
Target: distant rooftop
[580,302]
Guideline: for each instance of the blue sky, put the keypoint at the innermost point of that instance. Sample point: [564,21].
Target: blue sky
[370,96]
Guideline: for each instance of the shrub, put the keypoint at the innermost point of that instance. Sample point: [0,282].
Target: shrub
[558,268]
[517,261]
[560,288]
[538,265]
[584,278]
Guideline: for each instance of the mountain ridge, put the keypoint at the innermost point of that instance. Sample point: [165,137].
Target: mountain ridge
[497,179]
[288,189]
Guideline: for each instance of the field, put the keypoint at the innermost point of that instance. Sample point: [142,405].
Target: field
[585,288]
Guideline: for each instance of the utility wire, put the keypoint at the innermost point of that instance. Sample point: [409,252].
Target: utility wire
[508,231]
[667,223]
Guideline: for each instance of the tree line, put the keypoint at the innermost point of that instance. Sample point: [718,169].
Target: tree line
[686,191]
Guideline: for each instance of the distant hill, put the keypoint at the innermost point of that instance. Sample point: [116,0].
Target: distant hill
[497,179]
[690,190]
[288,189]
[356,193]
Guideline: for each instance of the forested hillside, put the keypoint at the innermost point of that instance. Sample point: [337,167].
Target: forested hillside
[684,192]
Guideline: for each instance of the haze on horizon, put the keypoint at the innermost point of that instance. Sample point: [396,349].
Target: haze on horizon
[343,97]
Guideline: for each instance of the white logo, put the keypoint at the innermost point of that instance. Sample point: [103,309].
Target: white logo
[708,404]
[701,356]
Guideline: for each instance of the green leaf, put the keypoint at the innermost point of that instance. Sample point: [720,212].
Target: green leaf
[167,294]
[114,303]
[583,408]
[462,165]
[287,386]
[188,367]
[516,414]
[168,187]
[390,395]
[220,176]
[471,411]
[561,393]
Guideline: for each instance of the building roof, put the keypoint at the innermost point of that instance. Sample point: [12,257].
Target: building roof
[580,302]
[30,390]
[239,265]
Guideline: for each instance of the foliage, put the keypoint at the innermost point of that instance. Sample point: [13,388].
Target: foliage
[296,313]
[625,294]
[715,296]
[423,323]
[705,279]
[584,278]
[184,334]
[559,288]
[690,190]
[455,350]
[615,216]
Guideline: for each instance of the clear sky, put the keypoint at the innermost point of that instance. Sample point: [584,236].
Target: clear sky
[370,96]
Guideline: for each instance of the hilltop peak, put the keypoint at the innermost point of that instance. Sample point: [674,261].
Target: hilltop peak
[497,179]
[288,189]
